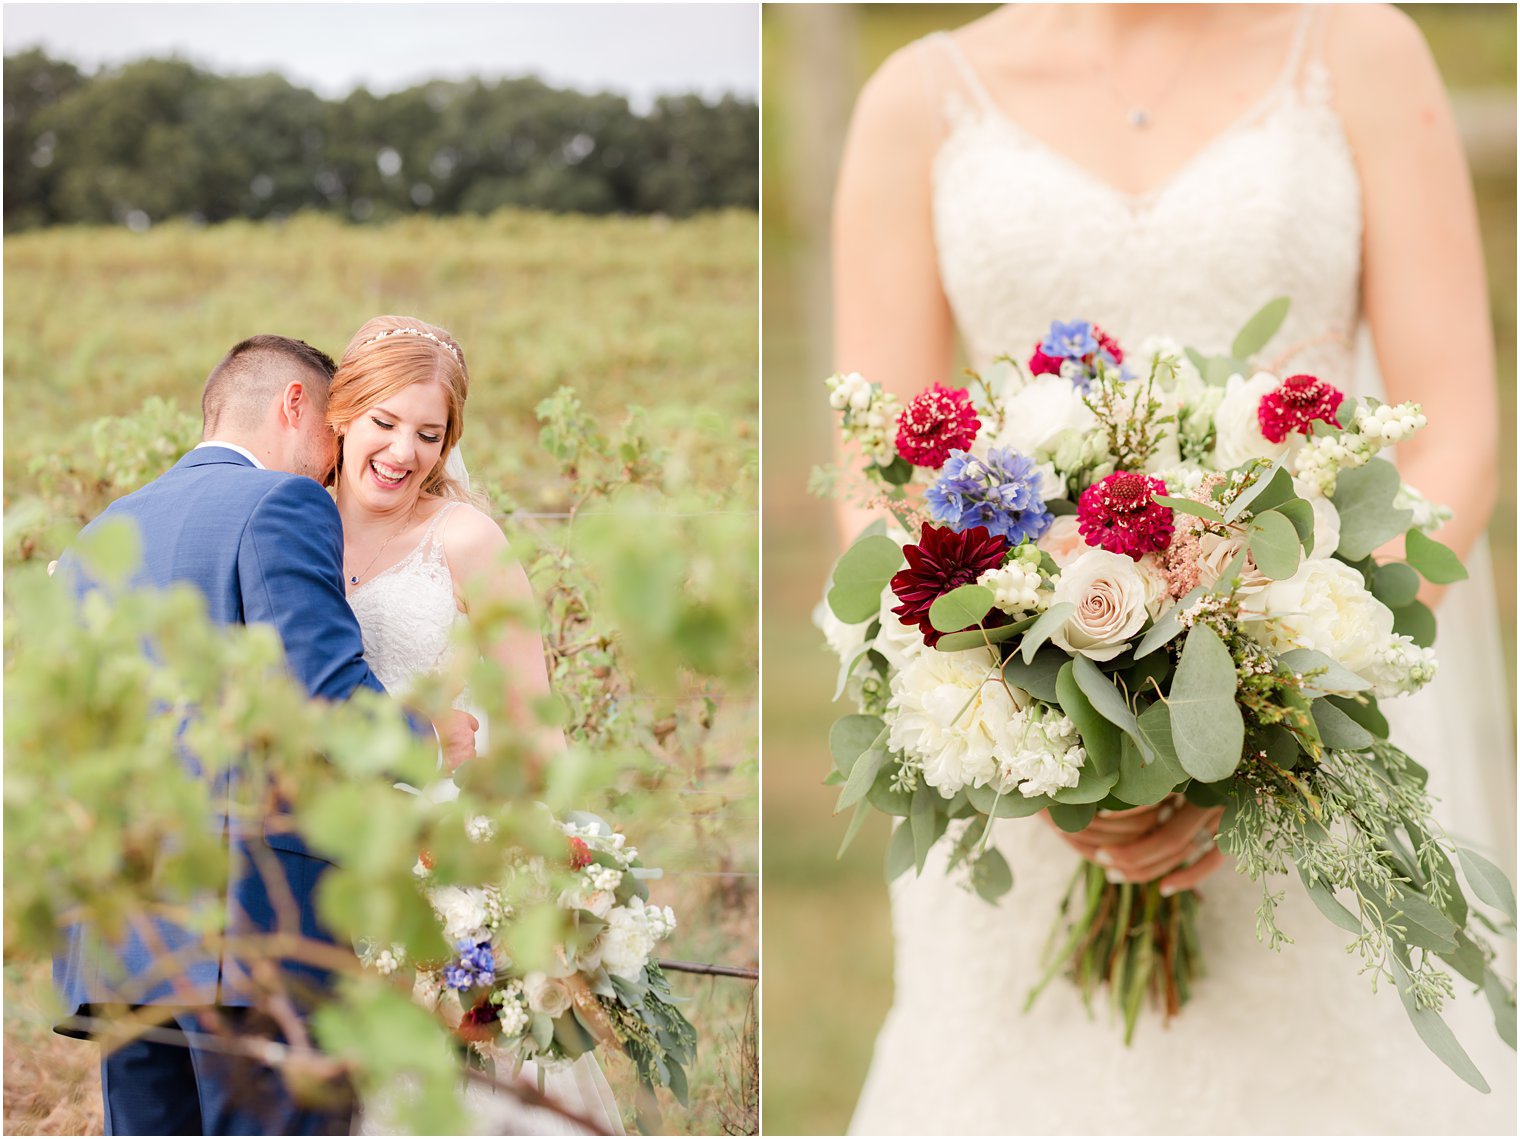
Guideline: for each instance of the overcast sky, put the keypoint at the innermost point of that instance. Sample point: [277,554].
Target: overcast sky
[640,50]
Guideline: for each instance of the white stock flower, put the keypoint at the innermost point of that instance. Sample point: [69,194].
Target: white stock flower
[1401,667]
[1048,755]
[462,911]
[1111,594]
[1038,412]
[546,994]
[953,716]
[1325,606]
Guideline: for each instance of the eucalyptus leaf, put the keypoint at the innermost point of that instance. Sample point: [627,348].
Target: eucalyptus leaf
[1166,627]
[1416,622]
[1435,1033]
[851,737]
[1435,562]
[1333,676]
[1364,497]
[1262,326]
[1337,729]
[899,852]
[1072,818]
[847,668]
[1107,701]
[1038,677]
[977,638]
[860,576]
[896,473]
[863,773]
[1188,506]
[1010,806]
[1424,925]
[1467,959]
[1141,784]
[1272,487]
[1365,712]
[1502,1002]
[1395,584]
[1325,901]
[960,608]
[926,821]
[1274,545]
[1207,727]
[1041,631]
[1099,735]
[1301,514]
[990,875]
[885,799]
[1488,882]
[1198,359]
[861,810]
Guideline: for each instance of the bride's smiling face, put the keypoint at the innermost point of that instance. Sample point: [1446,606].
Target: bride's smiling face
[390,448]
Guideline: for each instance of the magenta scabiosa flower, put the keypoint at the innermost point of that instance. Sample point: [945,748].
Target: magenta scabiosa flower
[1117,514]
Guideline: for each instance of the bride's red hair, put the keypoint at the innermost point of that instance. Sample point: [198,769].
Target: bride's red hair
[390,353]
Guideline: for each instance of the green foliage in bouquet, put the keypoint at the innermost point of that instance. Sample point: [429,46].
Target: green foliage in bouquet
[1204,695]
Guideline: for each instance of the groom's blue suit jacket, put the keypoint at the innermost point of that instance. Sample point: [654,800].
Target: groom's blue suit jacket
[263,547]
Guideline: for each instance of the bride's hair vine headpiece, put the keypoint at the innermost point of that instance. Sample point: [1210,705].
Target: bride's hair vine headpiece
[422,332]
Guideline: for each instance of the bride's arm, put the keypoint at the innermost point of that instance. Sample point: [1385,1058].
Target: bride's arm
[1424,293]
[476,550]
[892,323]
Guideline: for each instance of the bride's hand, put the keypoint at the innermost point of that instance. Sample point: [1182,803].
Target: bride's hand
[1172,841]
[456,735]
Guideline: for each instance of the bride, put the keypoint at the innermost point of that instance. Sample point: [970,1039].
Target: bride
[413,539]
[1168,169]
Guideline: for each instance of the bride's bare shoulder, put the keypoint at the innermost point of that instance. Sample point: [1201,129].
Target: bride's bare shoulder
[1372,49]
[473,541]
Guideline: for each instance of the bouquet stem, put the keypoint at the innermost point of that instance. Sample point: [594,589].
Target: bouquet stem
[1126,936]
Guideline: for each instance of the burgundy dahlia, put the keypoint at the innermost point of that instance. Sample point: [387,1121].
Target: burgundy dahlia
[934,423]
[1295,404]
[1117,514]
[943,560]
[477,1024]
[580,854]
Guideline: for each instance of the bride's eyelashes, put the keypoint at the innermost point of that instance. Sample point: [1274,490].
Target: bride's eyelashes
[424,436]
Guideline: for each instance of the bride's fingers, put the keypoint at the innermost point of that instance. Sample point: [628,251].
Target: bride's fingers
[1186,877]
[1164,848]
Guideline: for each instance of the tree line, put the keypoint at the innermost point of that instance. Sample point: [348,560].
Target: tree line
[161,138]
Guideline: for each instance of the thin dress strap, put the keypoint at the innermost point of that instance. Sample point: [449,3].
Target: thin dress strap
[432,537]
[1306,18]
[963,68]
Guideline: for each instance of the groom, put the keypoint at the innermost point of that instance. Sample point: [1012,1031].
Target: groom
[243,518]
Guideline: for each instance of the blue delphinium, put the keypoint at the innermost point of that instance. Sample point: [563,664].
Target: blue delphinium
[1079,346]
[1069,340]
[475,966]
[1001,493]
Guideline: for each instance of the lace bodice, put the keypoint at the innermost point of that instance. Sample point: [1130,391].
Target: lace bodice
[1269,207]
[407,612]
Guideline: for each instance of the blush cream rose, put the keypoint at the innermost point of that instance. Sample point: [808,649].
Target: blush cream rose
[1111,594]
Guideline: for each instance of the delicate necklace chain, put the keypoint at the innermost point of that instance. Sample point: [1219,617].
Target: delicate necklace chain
[1140,115]
[406,522]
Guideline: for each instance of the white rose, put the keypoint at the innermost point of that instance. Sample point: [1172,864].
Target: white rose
[1238,438]
[1324,606]
[1111,594]
[1215,555]
[1327,527]
[1039,411]
[951,717]
[463,912]
[546,994]
[627,941]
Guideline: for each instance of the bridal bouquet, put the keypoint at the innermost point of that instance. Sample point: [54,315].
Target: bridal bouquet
[606,985]
[1105,578]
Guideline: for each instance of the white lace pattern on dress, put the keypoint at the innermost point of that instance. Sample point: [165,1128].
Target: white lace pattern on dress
[1292,1042]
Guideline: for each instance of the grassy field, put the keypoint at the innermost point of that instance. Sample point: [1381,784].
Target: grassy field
[628,312]
[827,940]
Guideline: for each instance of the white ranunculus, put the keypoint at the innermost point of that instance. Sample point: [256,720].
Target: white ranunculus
[845,640]
[546,994]
[627,941]
[1324,606]
[951,716]
[462,911]
[1215,555]
[1111,594]
[1063,541]
[1327,527]
[1238,438]
[1038,412]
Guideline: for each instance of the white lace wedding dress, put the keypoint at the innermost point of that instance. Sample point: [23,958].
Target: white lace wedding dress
[407,615]
[1292,1042]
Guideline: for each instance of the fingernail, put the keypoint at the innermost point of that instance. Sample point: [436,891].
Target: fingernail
[1165,813]
[1103,858]
[1114,876]
[1168,891]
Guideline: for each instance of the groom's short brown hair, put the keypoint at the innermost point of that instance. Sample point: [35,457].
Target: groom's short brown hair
[241,387]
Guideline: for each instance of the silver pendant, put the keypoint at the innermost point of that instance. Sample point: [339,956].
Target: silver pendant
[354,580]
[1139,118]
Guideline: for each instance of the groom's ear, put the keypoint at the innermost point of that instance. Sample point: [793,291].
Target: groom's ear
[295,404]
